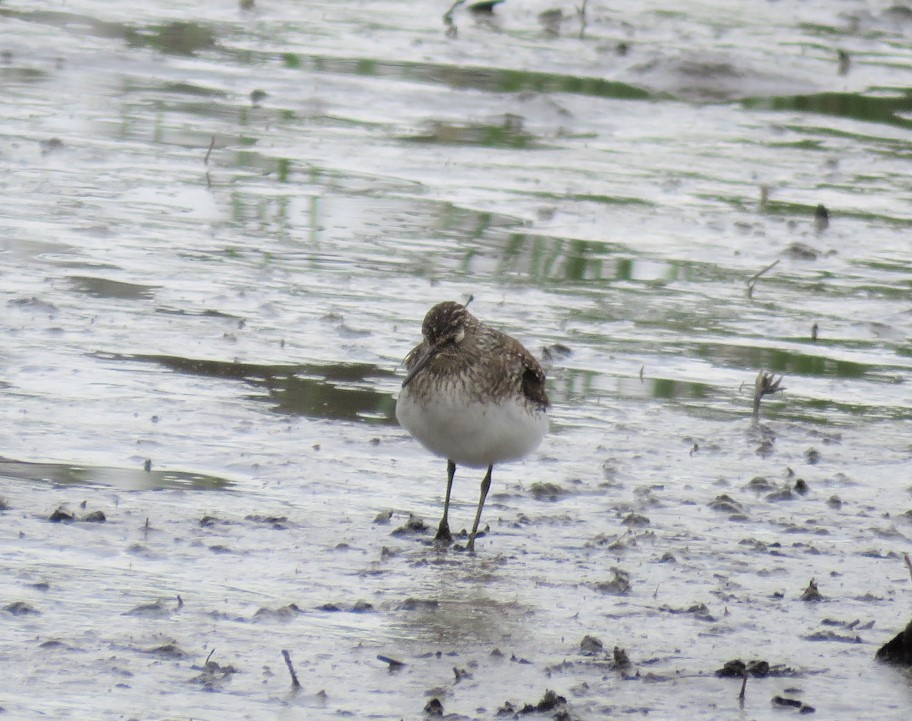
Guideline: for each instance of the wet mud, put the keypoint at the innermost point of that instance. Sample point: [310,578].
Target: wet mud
[220,236]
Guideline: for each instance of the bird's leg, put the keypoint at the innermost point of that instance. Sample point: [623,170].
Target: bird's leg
[443,530]
[485,485]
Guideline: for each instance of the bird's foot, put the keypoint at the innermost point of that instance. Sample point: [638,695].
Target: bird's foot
[470,546]
[443,537]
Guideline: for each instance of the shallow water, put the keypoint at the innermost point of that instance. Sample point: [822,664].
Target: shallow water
[220,236]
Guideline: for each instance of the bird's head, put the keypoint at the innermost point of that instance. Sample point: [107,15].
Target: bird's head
[445,323]
[444,326]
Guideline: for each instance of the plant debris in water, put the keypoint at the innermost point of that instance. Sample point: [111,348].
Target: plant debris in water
[549,702]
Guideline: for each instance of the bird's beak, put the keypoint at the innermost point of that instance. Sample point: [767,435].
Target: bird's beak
[422,361]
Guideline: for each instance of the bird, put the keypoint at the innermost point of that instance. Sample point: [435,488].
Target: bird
[472,395]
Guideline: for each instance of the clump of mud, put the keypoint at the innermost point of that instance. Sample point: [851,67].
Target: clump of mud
[549,702]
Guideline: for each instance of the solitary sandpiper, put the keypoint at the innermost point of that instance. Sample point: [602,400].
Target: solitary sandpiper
[472,395]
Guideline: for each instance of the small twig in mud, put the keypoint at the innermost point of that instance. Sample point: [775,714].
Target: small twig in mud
[642,368]
[448,15]
[743,686]
[811,593]
[821,218]
[208,657]
[448,19]
[582,14]
[764,197]
[765,385]
[845,62]
[752,281]
[209,152]
[908,562]
[180,601]
[294,677]
[394,665]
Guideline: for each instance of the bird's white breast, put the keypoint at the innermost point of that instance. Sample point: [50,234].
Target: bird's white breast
[472,433]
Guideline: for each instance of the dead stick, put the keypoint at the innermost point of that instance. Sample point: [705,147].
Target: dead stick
[294,677]
[393,663]
[448,15]
[752,281]
[743,685]
[765,385]
[908,562]
[209,152]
